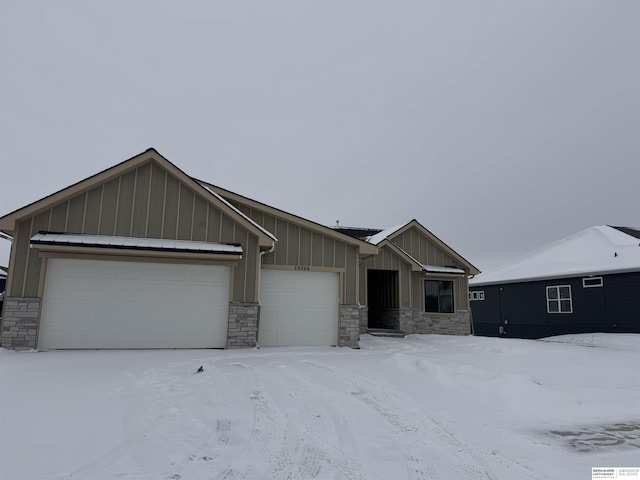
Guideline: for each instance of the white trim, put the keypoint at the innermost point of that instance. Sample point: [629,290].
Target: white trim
[558,299]
[587,279]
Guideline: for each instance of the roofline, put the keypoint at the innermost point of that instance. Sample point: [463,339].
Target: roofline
[365,247]
[7,222]
[589,273]
[472,269]
[415,265]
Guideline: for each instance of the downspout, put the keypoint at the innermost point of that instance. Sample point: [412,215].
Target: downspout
[263,253]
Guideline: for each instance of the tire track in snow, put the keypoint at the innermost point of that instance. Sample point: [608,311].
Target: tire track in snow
[419,431]
[264,432]
[325,436]
[209,453]
[158,427]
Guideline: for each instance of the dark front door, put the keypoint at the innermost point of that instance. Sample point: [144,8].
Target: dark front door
[382,298]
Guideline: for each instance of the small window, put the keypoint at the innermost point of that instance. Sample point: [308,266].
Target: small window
[592,282]
[559,299]
[477,295]
[438,296]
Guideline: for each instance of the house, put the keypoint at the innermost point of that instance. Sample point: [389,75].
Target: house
[588,282]
[141,255]
[415,284]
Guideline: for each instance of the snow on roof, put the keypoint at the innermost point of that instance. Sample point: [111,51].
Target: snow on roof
[596,250]
[378,237]
[45,238]
[432,268]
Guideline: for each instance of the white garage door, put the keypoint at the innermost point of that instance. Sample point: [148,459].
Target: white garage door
[105,304]
[298,308]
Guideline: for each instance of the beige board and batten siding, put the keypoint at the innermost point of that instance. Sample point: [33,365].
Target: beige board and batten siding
[300,245]
[147,201]
[430,252]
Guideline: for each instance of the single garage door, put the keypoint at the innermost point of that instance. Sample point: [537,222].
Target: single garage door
[298,308]
[109,304]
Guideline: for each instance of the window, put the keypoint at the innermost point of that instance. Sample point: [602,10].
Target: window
[438,296]
[592,282]
[477,295]
[559,299]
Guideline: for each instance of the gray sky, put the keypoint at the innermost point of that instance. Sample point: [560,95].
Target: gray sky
[499,125]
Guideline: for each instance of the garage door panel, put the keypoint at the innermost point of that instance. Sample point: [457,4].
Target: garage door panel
[298,308]
[133,305]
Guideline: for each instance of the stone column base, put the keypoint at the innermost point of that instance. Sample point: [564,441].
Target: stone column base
[20,323]
[242,331]
[349,321]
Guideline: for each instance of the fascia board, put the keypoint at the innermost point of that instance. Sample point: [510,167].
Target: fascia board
[365,248]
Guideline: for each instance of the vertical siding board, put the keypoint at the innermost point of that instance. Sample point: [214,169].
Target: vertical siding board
[185,215]
[227,229]
[125,204]
[108,208]
[432,254]
[340,255]
[281,246]
[329,251]
[213,231]
[21,242]
[40,223]
[351,283]
[76,213]
[58,218]
[171,207]
[418,290]
[305,246]
[92,207]
[199,219]
[293,244]
[405,284]
[140,205]
[250,281]
[316,253]
[156,202]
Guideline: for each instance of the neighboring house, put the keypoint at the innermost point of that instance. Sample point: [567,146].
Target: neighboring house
[143,256]
[416,283]
[588,282]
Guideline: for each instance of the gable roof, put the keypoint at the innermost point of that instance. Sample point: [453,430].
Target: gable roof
[8,222]
[365,247]
[392,232]
[416,266]
[596,250]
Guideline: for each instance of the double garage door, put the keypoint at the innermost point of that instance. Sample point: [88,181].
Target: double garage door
[113,304]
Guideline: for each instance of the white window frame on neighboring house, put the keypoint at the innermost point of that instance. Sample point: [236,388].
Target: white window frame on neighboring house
[476,295]
[591,282]
[555,297]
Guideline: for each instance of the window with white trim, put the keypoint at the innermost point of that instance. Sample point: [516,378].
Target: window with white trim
[591,282]
[476,295]
[559,299]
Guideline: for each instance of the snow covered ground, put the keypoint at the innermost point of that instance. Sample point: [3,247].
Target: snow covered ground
[422,407]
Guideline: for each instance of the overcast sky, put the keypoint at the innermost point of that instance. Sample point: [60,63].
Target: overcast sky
[500,125]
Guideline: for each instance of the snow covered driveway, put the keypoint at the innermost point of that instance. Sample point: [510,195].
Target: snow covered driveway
[423,407]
